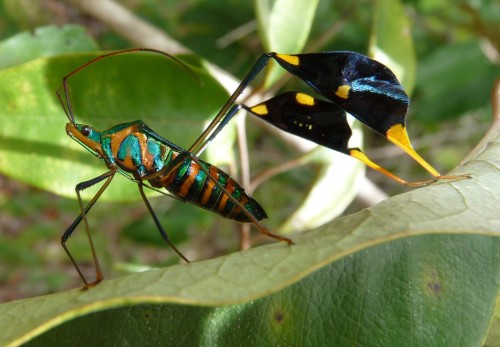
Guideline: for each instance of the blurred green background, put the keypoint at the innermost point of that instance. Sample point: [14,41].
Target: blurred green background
[457,54]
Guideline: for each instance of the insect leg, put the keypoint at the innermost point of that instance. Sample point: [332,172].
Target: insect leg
[358,154]
[174,164]
[200,143]
[324,123]
[230,114]
[108,176]
[397,134]
[158,224]
[366,89]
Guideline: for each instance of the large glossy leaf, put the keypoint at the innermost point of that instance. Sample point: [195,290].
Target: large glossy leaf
[352,300]
[34,146]
[422,267]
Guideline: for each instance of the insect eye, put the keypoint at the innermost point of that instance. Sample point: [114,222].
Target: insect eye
[86,130]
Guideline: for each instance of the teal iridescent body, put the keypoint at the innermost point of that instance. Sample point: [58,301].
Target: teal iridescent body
[136,149]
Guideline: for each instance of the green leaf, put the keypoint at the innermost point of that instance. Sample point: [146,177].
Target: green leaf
[44,42]
[359,306]
[284,27]
[422,266]
[391,42]
[34,146]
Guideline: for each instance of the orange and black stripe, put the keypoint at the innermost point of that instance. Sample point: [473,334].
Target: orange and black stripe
[191,182]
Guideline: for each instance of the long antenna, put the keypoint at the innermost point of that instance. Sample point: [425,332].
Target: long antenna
[66,104]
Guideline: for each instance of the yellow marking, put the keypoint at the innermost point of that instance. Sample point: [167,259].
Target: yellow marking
[355,153]
[343,91]
[222,202]
[397,134]
[147,158]
[304,99]
[209,185]
[260,110]
[207,192]
[290,59]
[188,182]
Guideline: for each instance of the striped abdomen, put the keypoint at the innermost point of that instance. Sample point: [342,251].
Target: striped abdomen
[192,184]
[137,149]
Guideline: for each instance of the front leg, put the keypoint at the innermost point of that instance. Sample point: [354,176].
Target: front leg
[109,158]
[108,176]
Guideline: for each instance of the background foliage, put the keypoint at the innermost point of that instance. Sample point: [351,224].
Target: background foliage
[448,60]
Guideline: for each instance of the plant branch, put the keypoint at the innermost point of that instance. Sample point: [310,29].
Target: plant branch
[127,24]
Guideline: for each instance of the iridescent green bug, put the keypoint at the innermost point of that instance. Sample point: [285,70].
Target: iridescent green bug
[139,153]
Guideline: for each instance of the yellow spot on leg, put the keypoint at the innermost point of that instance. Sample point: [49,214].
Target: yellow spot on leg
[290,59]
[260,110]
[343,91]
[304,99]
[356,153]
[397,134]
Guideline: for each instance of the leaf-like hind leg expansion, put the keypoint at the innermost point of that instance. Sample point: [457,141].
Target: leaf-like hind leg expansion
[218,123]
[108,176]
[224,121]
[158,224]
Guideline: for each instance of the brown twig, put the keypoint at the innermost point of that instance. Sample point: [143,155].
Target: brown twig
[127,24]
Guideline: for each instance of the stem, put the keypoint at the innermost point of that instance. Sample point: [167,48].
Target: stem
[123,21]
